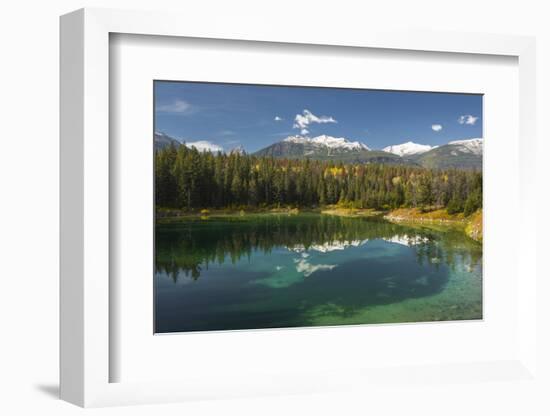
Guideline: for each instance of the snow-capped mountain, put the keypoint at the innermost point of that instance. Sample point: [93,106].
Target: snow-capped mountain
[408,148]
[163,140]
[327,148]
[461,154]
[204,146]
[474,146]
[331,142]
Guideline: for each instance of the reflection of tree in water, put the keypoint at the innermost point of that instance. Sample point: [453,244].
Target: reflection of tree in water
[188,246]
[452,248]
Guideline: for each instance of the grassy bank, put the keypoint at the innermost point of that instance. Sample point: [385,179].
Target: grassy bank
[472,225]
[241,211]
[168,213]
[439,216]
[350,212]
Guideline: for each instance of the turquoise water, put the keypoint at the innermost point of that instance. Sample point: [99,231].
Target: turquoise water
[273,271]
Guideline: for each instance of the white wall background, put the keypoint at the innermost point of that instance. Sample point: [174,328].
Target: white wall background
[29,190]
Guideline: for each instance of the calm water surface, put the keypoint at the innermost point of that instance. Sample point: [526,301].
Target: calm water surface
[271,271]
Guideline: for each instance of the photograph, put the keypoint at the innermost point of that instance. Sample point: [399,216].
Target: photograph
[281,206]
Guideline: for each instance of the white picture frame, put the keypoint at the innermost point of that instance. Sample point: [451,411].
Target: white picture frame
[85,209]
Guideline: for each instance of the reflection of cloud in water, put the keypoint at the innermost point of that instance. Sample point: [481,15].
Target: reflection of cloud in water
[307,269]
[284,277]
[303,257]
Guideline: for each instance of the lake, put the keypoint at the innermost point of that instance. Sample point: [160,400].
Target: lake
[275,271]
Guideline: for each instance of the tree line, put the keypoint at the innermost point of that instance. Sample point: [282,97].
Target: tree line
[188,179]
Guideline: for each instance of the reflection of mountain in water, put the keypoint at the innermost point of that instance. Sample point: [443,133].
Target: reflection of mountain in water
[186,247]
[328,246]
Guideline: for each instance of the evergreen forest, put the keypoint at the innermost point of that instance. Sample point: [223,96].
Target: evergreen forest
[190,180]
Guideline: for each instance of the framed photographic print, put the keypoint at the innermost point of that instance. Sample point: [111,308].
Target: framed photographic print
[291,212]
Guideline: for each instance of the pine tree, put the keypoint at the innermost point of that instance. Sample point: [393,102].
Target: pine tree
[188,179]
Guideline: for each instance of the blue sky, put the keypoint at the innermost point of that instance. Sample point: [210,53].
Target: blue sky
[256,116]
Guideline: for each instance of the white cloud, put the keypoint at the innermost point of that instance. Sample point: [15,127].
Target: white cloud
[467,119]
[205,146]
[302,121]
[277,118]
[177,106]
[437,127]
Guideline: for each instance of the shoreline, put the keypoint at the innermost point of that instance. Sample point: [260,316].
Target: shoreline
[164,213]
[471,225]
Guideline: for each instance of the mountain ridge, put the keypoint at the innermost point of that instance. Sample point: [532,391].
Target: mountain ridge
[464,153]
[461,154]
[326,147]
